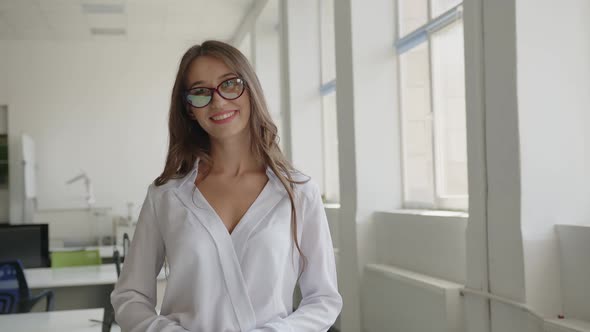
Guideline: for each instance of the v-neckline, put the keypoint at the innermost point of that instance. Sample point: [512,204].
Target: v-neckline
[271,195]
[246,214]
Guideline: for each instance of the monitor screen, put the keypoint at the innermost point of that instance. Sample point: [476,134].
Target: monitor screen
[29,243]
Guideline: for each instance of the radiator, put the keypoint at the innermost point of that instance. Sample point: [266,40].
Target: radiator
[399,300]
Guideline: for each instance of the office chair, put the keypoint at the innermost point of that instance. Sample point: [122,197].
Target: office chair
[117,258]
[108,317]
[15,296]
[126,244]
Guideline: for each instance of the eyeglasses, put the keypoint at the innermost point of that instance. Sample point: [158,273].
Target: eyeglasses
[229,89]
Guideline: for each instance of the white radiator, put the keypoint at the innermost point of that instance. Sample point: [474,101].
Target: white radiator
[399,300]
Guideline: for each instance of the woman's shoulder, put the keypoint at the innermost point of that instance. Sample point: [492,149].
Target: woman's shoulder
[156,188]
[304,185]
[307,186]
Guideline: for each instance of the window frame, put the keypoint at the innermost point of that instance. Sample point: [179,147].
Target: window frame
[419,36]
[327,88]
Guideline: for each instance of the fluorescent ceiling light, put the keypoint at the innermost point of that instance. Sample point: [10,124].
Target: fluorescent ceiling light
[108,31]
[103,8]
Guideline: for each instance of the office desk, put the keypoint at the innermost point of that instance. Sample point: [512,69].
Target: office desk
[55,321]
[106,252]
[81,286]
[105,274]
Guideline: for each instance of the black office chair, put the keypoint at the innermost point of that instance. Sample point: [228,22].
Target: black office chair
[108,317]
[117,258]
[15,296]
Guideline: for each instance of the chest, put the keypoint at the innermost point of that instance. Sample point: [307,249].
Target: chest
[231,198]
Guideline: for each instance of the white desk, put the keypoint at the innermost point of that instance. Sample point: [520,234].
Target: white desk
[106,252]
[55,321]
[80,287]
[104,274]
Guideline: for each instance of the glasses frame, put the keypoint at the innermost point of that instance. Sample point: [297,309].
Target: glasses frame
[213,90]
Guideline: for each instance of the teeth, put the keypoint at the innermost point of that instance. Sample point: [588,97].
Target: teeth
[224,116]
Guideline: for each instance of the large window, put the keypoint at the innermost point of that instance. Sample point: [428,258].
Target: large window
[328,93]
[432,90]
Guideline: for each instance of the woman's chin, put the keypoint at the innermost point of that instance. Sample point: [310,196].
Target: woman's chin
[224,134]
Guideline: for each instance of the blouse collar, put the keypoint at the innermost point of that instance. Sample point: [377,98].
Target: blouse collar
[192,175]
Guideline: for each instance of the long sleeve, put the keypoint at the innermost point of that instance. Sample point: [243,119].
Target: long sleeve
[321,301]
[134,296]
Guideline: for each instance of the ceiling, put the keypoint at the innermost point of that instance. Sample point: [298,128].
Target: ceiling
[121,19]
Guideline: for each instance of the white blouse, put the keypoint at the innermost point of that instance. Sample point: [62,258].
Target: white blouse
[218,282]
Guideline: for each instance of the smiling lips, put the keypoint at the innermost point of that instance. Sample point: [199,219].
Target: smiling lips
[224,117]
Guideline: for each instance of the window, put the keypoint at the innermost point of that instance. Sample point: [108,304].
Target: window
[328,93]
[432,102]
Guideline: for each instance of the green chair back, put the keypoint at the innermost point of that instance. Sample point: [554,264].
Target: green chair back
[75,258]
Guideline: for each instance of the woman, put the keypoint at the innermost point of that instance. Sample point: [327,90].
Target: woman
[239,227]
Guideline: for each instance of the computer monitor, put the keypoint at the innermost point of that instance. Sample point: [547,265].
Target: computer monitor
[29,243]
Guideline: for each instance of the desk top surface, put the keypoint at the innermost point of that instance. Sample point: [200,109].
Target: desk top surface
[105,251]
[66,320]
[103,274]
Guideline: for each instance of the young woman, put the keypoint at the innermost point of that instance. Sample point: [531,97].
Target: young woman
[238,226]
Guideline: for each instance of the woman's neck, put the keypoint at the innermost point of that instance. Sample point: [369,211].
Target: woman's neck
[233,156]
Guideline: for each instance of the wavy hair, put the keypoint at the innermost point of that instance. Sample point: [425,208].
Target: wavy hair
[189,141]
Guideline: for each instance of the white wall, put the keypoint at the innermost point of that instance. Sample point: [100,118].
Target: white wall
[527,84]
[502,146]
[428,244]
[3,73]
[553,107]
[303,73]
[267,55]
[477,310]
[495,260]
[368,137]
[574,246]
[376,116]
[99,106]
[348,269]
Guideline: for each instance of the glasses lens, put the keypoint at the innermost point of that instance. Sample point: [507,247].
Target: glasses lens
[232,88]
[199,97]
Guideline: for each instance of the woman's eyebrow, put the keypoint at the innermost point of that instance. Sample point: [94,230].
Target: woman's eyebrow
[220,77]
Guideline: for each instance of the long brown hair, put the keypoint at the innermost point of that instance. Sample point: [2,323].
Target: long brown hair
[189,141]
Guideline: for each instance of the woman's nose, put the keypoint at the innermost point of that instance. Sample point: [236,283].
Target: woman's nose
[217,101]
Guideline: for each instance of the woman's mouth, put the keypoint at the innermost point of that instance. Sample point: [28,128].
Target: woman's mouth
[224,117]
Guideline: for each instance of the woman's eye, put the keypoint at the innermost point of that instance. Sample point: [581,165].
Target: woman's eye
[229,84]
[200,92]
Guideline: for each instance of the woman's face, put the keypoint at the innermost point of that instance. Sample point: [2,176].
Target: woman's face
[221,118]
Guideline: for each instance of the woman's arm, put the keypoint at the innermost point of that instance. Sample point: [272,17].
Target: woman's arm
[321,301]
[134,297]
